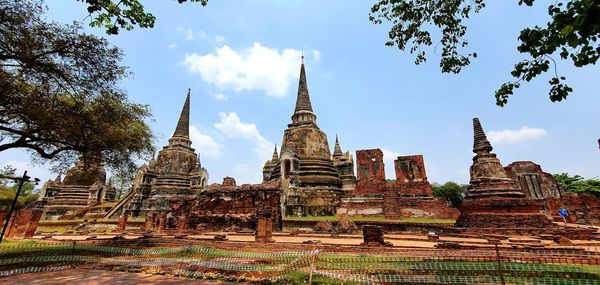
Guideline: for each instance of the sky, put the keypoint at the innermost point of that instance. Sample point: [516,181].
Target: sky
[241,60]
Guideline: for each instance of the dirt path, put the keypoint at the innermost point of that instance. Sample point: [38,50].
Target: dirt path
[100,277]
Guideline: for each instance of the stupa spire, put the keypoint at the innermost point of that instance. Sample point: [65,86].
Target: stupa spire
[480,141]
[337,150]
[275,156]
[183,125]
[303,99]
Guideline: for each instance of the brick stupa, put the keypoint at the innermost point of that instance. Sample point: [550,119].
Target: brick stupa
[311,178]
[494,200]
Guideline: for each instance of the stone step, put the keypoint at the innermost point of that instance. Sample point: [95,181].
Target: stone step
[73,198]
[76,188]
[74,193]
[63,191]
[68,202]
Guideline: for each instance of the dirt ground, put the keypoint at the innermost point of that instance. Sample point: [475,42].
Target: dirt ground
[100,277]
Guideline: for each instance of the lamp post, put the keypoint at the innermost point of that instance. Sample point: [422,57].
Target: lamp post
[20,181]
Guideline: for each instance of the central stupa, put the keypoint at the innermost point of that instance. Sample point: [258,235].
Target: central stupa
[312,180]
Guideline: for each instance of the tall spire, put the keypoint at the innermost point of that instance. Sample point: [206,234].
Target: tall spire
[275,156]
[303,114]
[480,141]
[183,125]
[337,150]
[303,100]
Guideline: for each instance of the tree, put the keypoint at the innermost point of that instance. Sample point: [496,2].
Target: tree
[8,189]
[59,93]
[573,33]
[451,192]
[7,170]
[124,14]
[578,184]
[122,181]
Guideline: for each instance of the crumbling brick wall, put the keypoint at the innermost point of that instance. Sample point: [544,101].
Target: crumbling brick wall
[398,205]
[371,172]
[411,176]
[227,207]
[23,223]
[582,208]
[534,182]
[410,195]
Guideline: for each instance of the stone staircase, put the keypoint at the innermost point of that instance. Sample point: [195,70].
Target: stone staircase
[75,196]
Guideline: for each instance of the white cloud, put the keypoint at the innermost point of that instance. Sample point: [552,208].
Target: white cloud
[316,55]
[190,34]
[516,136]
[231,126]
[172,45]
[204,143]
[221,97]
[219,39]
[254,68]
[187,33]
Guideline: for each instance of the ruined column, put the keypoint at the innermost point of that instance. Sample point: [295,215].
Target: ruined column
[162,222]
[373,235]
[122,224]
[264,230]
[183,226]
[149,221]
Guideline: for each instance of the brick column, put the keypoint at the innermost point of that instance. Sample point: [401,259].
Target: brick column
[122,225]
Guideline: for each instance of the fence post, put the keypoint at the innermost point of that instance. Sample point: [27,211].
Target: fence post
[312,265]
[500,273]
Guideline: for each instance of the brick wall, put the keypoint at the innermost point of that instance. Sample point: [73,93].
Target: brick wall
[227,207]
[582,208]
[23,223]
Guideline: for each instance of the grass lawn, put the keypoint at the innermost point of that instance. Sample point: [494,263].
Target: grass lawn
[372,219]
[51,229]
[19,242]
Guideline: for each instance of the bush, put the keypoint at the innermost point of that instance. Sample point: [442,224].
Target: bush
[345,225]
[323,226]
[451,192]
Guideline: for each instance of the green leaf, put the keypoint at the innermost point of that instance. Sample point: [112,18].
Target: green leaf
[566,31]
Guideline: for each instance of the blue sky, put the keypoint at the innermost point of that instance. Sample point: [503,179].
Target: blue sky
[241,59]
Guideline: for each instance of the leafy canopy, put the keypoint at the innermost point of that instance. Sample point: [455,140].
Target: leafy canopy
[123,14]
[60,95]
[8,189]
[451,192]
[578,184]
[572,34]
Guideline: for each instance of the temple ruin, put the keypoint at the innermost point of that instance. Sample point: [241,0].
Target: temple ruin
[494,200]
[409,195]
[175,171]
[83,187]
[311,178]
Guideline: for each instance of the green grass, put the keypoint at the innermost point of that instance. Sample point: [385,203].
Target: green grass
[61,222]
[19,242]
[302,278]
[51,229]
[371,219]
